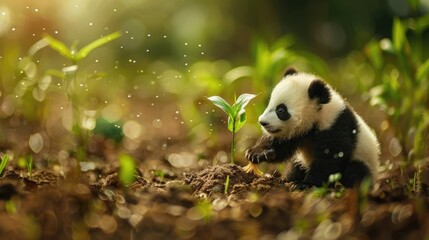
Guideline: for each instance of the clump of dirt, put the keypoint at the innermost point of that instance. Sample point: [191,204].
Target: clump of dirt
[212,180]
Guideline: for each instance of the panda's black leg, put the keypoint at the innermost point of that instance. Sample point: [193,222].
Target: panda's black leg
[296,174]
[320,170]
[354,173]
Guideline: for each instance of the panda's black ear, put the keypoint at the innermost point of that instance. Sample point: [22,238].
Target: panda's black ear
[320,91]
[290,71]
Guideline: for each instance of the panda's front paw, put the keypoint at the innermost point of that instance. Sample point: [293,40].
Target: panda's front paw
[257,155]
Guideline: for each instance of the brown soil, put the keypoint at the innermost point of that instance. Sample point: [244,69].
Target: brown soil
[94,205]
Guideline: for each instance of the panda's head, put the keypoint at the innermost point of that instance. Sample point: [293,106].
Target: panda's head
[294,105]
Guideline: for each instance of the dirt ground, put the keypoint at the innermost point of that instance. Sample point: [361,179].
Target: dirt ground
[90,203]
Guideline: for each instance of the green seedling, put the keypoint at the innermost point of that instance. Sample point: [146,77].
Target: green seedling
[4,160]
[69,75]
[226,185]
[236,114]
[160,174]
[72,53]
[414,185]
[333,180]
[29,164]
[127,169]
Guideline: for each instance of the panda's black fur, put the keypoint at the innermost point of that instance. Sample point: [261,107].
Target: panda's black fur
[330,143]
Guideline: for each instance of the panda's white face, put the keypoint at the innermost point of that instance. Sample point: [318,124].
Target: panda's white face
[291,112]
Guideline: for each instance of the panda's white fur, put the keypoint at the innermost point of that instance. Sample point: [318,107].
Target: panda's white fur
[307,114]
[367,147]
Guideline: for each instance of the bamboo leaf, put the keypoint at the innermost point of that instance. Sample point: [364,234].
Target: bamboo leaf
[423,70]
[398,34]
[374,54]
[96,44]
[58,46]
[237,73]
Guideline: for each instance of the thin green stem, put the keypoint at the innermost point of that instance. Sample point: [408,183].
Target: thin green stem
[233,141]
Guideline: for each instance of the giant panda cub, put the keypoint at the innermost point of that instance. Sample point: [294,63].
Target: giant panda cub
[308,122]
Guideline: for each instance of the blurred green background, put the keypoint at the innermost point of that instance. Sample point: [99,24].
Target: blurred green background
[153,81]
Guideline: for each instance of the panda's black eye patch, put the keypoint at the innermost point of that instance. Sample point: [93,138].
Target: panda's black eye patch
[282,113]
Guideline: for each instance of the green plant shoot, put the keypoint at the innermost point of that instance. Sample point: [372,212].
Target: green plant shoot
[225,191]
[4,160]
[69,76]
[127,169]
[72,53]
[236,114]
[29,163]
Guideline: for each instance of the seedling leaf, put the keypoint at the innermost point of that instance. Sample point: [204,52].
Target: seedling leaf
[96,44]
[242,102]
[241,120]
[58,46]
[222,104]
[231,124]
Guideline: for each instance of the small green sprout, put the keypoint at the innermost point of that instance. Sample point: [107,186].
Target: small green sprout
[127,169]
[72,53]
[333,180]
[69,75]
[160,174]
[29,163]
[4,160]
[226,185]
[236,114]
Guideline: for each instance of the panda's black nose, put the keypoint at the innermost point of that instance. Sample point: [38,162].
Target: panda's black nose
[263,124]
